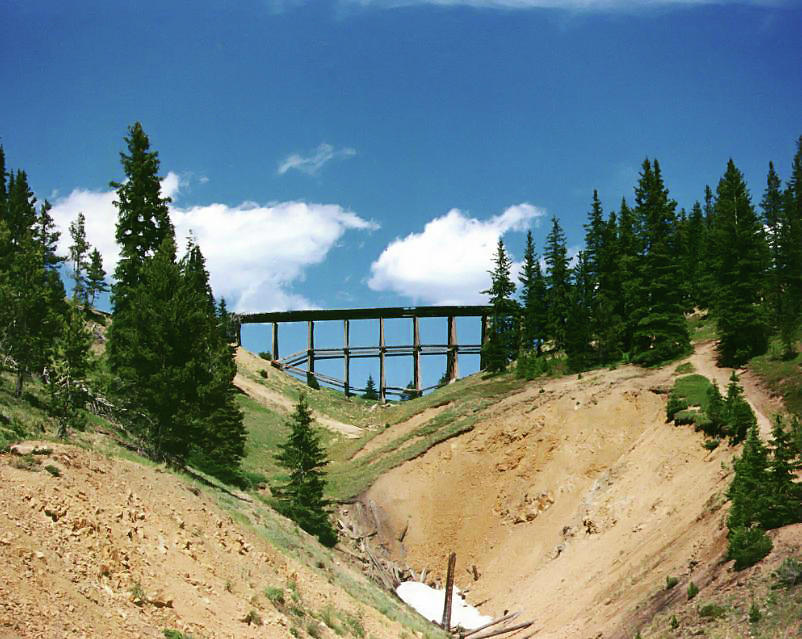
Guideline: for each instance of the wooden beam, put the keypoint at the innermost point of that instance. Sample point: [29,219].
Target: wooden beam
[452,560]
[453,363]
[310,347]
[347,357]
[394,312]
[382,380]
[274,352]
[416,353]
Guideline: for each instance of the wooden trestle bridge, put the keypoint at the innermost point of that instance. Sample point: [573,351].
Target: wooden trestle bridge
[294,363]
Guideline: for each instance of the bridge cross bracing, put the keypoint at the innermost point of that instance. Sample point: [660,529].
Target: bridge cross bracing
[451,348]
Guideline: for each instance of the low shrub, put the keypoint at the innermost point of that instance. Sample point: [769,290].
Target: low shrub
[266,355]
[275,595]
[53,470]
[712,611]
[754,613]
[789,573]
[711,444]
[671,582]
[693,590]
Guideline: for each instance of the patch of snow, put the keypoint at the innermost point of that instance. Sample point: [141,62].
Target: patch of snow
[429,602]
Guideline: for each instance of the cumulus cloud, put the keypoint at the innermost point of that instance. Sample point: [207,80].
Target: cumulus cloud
[312,163]
[447,262]
[254,253]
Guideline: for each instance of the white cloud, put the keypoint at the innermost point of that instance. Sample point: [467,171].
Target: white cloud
[447,262]
[313,162]
[254,253]
[572,5]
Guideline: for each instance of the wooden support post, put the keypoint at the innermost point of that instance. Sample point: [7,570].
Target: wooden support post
[382,380]
[275,341]
[416,354]
[310,347]
[483,341]
[452,561]
[452,368]
[346,358]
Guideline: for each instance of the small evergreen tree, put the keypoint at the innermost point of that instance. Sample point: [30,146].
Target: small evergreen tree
[748,488]
[95,277]
[738,414]
[502,344]
[578,335]
[67,374]
[370,389]
[301,497]
[785,505]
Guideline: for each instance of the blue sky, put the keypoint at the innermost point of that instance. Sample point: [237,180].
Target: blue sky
[322,150]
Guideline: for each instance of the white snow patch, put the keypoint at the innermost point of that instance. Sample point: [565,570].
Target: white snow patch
[429,602]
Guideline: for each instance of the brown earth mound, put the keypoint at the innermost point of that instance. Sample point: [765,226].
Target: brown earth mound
[110,548]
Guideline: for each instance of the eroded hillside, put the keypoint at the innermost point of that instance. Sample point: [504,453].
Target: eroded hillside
[572,498]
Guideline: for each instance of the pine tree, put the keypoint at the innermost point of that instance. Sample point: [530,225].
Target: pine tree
[661,332]
[502,344]
[748,488]
[370,389]
[225,320]
[693,257]
[33,303]
[741,261]
[79,259]
[716,412]
[533,299]
[301,497]
[788,261]
[558,283]
[578,333]
[772,206]
[95,277]
[785,503]
[608,322]
[218,443]
[629,256]
[738,414]
[143,223]
[67,373]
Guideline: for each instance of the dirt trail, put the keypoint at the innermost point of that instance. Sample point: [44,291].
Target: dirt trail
[277,401]
[400,429]
[116,549]
[704,361]
[573,498]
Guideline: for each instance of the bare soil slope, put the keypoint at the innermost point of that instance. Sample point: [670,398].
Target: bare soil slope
[111,548]
[573,499]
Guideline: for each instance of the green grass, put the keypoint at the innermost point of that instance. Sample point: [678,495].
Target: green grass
[685,369]
[693,389]
[781,377]
[702,329]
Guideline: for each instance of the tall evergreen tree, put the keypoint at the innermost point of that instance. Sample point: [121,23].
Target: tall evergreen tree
[788,261]
[33,304]
[578,328]
[533,299]
[772,207]
[661,331]
[741,261]
[502,344]
[558,282]
[693,257]
[301,497]
[95,277]
[79,258]
[143,220]
[747,492]
[629,274]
